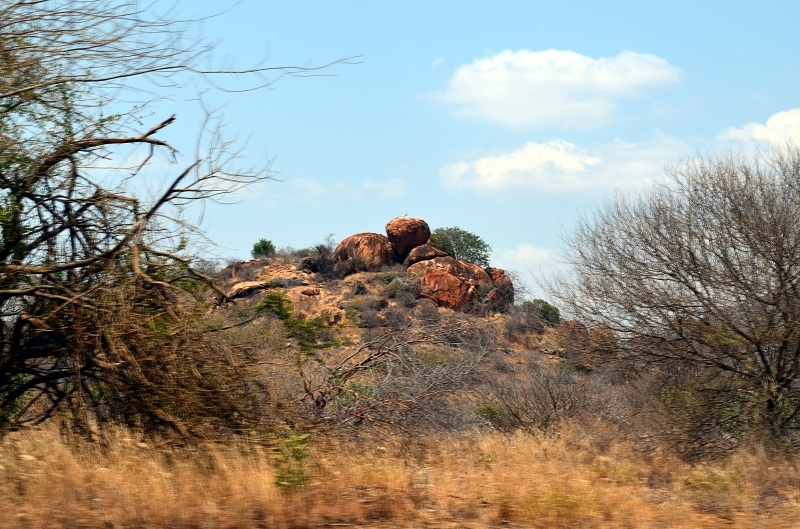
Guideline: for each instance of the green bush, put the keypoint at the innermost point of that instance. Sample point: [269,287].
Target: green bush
[292,453]
[490,414]
[543,310]
[461,244]
[277,303]
[310,334]
[263,248]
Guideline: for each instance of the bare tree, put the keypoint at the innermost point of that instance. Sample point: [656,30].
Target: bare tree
[98,299]
[703,269]
[401,378]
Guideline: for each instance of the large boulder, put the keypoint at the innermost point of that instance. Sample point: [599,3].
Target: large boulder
[449,282]
[405,234]
[245,289]
[363,252]
[424,252]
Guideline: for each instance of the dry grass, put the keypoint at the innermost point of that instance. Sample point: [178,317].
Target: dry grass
[473,481]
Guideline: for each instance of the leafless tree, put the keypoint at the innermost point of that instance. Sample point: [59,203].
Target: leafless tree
[401,377]
[540,400]
[98,298]
[703,269]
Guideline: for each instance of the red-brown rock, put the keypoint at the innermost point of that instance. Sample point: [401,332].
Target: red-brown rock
[363,252]
[405,234]
[449,282]
[424,252]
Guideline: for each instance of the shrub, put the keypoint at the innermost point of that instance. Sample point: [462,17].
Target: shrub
[277,303]
[99,301]
[310,334]
[490,414]
[395,288]
[396,318]
[391,273]
[317,259]
[540,401]
[263,248]
[414,375]
[292,453]
[400,293]
[370,319]
[519,327]
[543,310]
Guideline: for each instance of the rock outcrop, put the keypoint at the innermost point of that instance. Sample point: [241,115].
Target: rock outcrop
[449,282]
[424,252]
[244,289]
[265,277]
[363,252]
[405,234]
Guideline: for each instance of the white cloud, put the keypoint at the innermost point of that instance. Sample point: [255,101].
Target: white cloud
[553,164]
[523,257]
[558,166]
[779,128]
[552,88]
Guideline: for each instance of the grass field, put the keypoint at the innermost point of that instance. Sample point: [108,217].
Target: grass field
[471,481]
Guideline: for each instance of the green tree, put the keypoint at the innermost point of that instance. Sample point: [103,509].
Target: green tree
[701,272]
[263,248]
[461,244]
[442,242]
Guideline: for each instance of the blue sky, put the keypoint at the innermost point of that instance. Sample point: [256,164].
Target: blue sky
[509,119]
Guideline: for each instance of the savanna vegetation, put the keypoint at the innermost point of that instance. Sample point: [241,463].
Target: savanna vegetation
[140,388]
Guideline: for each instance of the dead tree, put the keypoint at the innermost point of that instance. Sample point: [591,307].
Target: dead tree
[98,298]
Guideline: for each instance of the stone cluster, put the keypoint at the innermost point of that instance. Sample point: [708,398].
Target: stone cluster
[433,274]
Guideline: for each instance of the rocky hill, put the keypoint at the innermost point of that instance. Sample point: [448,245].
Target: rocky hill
[387,329]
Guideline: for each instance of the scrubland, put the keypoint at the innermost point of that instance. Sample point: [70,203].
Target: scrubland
[506,423]
[404,415]
[144,387]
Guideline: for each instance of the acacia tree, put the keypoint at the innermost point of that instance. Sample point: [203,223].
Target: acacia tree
[97,292]
[703,271]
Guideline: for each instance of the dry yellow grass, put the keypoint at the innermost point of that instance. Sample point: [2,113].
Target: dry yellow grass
[473,481]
